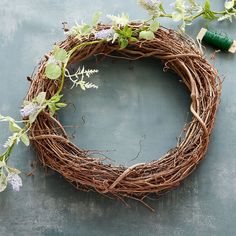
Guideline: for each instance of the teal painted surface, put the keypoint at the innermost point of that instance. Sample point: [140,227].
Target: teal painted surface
[136,103]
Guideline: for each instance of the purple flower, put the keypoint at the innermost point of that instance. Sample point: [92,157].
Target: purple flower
[150,5]
[172,5]
[105,34]
[28,109]
[15,181]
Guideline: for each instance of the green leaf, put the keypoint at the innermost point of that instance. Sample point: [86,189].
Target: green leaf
[3,182]
[56,98]
[52,108]
[120,20]
[85,29]
[133,39]
[25,139]
[40,99]
[161,8]
[154,26]
[96,17]
[53,71]
[80,30]
[207,5]
[60,54]
[146,34]
[6,118]
[13,127]
[61,104]
[127,31]
[123,43]
[208,14]
[33,116]
[229,4]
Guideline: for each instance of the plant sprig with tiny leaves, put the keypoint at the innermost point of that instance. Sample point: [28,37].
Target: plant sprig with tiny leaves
[186,11]
[30,111]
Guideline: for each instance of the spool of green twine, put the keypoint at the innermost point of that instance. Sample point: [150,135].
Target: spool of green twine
[217,41]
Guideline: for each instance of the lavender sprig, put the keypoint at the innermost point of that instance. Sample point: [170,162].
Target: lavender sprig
[15,181]
[107,34]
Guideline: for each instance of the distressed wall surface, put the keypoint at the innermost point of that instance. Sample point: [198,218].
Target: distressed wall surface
[137,112]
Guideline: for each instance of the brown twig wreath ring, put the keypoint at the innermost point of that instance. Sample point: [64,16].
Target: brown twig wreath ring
[179,54]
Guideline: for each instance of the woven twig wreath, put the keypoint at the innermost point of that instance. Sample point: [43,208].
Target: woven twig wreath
[179,54]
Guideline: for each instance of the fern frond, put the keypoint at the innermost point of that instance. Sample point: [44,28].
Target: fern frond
[79,78]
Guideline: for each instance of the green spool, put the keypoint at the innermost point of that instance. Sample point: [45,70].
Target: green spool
[217,41]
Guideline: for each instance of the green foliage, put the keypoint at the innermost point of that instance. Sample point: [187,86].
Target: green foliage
[40,99]
[187,13]
[120,20]
[25,139]
[123,42]
[84,30]
[146,34]
[13,127]
[31,109]
[125,35]
[60,54]
[53,68]
[18,134]
[80,31]
[126,32]
[17,131]
[41,103]
[208,13]
[53,71]
[154,26]
[54,104]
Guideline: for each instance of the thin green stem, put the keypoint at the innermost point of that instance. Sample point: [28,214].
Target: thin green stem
[219,12]
[199,14]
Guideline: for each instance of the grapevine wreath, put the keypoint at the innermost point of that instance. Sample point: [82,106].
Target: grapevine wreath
[128,40]
[179,54]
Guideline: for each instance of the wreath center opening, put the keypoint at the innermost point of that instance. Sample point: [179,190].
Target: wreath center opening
[137,113]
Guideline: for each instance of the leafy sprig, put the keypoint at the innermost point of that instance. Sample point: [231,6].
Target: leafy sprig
[29,112]
[55,62]
[186,11]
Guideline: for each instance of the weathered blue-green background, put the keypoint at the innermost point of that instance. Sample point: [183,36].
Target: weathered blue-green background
[137,108]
